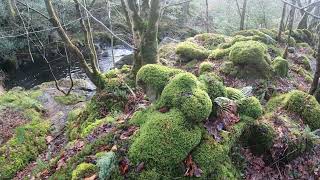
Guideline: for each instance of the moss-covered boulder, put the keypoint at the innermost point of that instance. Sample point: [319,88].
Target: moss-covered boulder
[219,53]
[251,57]
[153,78]
[213,85]
[205,67]
[280,66]
[300,103]
[234,94]
[209,40]
[164,140]
[184,92]
[250,107]
[190,51]
[83,170]
[278,137]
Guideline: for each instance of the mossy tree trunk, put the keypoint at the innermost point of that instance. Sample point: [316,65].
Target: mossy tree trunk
[10,8]
[303,24]
[281,26]
[316,77]
[290,27]
[243,14]
[92,72]
[143,21]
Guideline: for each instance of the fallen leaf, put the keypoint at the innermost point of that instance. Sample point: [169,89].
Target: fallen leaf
[124,166]
[191,168]
[114,148]
[164,110]
[140,167]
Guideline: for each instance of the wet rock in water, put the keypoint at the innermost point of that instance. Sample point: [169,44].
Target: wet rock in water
[105,54]
[125,60]
[291,49]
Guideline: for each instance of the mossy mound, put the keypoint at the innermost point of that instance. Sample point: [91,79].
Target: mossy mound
[164,140]
[219,53]
[234,94]
[83,170]
[184,92]
[251,57]
[278,137]
[153,78]
[280,66]
[29,139]
[250,107]
[300,103]
[209,40]
[190,51]
[302,36]
[205,67]
[213,85]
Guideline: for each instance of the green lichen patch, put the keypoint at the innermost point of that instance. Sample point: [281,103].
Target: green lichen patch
[106,164]
[164,141]
[190,51]
[280,66]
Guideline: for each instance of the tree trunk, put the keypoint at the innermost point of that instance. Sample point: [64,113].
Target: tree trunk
[315,82]
[207,16]
[303,24]
[314,21]
[243,14]
[281,26]
[145,35]
[95,77]
[10,8]
[290,26]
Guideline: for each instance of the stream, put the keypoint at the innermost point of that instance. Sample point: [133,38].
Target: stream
[34,73]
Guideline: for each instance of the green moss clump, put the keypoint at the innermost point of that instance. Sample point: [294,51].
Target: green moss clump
[306,106]
[234,94]
[184,92]
[150,174]
[281,67]
[153,78]
[306,62]
[70,99]
[83,170]
[219,53]
[164,140]
[251,57]
[205,67]
[28,142]
[190,51]
[209,40]
[213,85]
[250,107]
[212,158]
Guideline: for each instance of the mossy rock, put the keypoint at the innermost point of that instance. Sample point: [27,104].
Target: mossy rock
[300,103]
[251,58]
[256,35]
[209,40]
[184,92]
[153,78]
[273,129]
[83,170]
[205,67]
[234,94]
[164,141]
[281,67]
[213,85]
[306,106]
[219,53]
[71,99]
[190,51]
[250,107]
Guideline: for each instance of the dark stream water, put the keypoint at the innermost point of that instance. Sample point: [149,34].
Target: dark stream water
[32,74]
